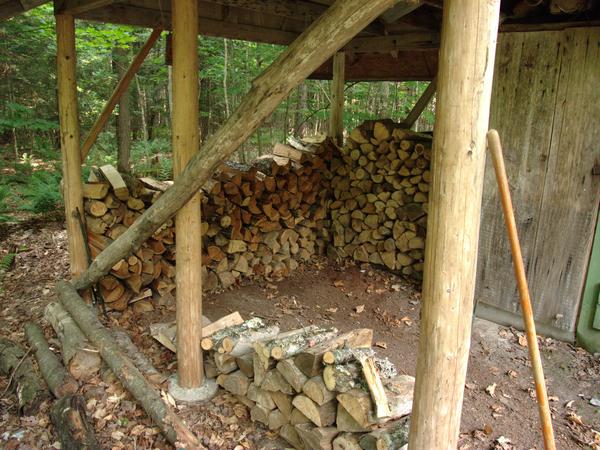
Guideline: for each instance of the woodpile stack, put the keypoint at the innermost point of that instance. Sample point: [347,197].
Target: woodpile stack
[258,221]
[317,388]
[380,191]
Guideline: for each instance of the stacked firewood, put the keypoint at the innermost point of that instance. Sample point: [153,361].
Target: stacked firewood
[257,221]
[317,388]
[380,191]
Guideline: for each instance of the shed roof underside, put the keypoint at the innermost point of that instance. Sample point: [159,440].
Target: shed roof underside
[400,45]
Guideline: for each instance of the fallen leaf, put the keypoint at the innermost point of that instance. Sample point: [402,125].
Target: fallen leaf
[359,309]
[522,340]
[331,310]
[381,344]
[471,386]
[396,287]
[574,418]
[512,373]
[338,283]
[491,389]
[407,321]
[553,398]
[569,404]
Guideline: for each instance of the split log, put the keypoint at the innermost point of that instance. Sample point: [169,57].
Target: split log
[320,415]
[297,417]
[373,381]
[274,382]
[225,363]
[236,382]
[30,389]
[283,403]
[346,441]
[276,420]
[260,397]
[338,24]
[316,390]
[289,433]
[292,374]
[79,356]
[68,416]
[54,373]
[260,414]
[131,378]
[391,437]
[115,179]
[316,438]
[245,363]
[310,361]
[345,422]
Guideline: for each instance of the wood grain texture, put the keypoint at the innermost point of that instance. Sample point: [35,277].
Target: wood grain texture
[185,141]
[543,99]
[68,113]
[336,116]
[464,81]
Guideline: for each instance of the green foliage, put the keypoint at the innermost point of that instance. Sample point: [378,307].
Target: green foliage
[41,194]
[7,261]
[20,117]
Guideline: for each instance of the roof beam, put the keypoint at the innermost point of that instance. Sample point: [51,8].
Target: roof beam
[75,7]
[300,10]
[400,10]
[386,44]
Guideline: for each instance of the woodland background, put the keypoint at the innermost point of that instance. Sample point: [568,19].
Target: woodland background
[29,139]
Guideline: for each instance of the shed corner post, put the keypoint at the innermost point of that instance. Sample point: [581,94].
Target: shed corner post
[189,385]
[464,83]
[336,117]
[66,60]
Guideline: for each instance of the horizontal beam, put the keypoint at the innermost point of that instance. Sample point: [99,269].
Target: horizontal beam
[300,10]
[386,44]
[75,7]
[404,66]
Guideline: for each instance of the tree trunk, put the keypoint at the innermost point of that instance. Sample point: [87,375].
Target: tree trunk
[142,105]
[343,20]
[120,61]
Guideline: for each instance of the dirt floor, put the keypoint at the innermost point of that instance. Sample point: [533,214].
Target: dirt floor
[499,409]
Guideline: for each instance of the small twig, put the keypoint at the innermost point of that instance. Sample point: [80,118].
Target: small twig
[10,379]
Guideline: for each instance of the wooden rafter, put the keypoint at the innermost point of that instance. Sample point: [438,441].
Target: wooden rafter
[75,7]
[386,44]
[117,93]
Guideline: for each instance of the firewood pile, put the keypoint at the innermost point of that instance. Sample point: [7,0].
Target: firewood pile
[258,221]
[380,191]
[317,388]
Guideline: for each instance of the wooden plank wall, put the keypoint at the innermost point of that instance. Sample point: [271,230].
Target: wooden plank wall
[546,105]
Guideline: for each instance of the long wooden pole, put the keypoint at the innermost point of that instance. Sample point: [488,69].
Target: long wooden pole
[187,222]
[69,141]
[336,118]
[117,93]
[468,44]
[515,246]
[340,23]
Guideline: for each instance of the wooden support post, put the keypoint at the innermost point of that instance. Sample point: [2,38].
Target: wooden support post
[342,21]
[421,104]
[187,222]
[117,93]
[69,141]
[468,46]
[336,115]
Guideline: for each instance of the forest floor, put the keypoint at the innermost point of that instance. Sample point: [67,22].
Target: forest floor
[499,409]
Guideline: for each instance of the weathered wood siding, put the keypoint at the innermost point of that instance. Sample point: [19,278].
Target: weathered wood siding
[546,107]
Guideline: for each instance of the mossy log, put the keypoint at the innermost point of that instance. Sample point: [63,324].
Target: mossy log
[30,388]
[129,375]
[74,432]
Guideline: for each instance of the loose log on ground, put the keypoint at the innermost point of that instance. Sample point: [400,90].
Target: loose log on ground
[141,361]
[320,415]
[54,373]
[79,356]
[69,419]
[131,378]
[29,387]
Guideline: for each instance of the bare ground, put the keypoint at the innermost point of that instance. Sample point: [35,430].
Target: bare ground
[499,408]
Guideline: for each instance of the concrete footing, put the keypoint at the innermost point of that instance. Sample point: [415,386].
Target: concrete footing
[192,395]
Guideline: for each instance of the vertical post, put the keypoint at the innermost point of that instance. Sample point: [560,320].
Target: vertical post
[69,140]
[336,117]
[187,222]
[467,50]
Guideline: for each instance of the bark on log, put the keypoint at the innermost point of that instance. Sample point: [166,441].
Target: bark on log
[54,373]
[30,389]
[336,26]
[141,361]
[391,437]
[70,423]
[131,378]
[79,356]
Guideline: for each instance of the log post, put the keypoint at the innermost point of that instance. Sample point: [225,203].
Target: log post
[336,118]
[468,44]
[187,221]
[69,141]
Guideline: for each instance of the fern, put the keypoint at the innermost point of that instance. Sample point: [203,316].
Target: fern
[6,262]
[42,193]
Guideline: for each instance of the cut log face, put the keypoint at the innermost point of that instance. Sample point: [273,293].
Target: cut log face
[320,415]
[318,438]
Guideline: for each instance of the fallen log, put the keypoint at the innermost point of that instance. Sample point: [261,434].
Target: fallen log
[68,417]
[30,388]
[141,361]
[53,372]
[336,26]
[80,358]
[129,375]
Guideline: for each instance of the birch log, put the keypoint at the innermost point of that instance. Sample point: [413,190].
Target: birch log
[334,28]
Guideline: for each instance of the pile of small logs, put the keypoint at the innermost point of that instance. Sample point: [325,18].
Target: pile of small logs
[257,221]
[317,388]
[380,191]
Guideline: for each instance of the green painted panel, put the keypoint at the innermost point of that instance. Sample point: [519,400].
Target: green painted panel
[588,328]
